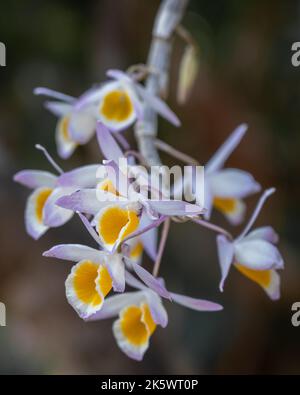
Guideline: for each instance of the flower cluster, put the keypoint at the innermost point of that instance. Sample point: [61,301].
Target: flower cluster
[114,204]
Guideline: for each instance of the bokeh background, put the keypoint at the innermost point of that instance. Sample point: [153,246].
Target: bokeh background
[245,76]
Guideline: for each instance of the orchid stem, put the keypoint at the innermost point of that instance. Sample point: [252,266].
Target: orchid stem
[169,16]
[162,244]
[212,227]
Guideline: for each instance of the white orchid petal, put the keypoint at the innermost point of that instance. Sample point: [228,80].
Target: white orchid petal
[65,144]
[82,126]
[35,178]
[108,144]
[54,215]
[74,253]
[158,312]
[195,304]
[116,268]
[266,233]
[258,254]
[175,207]
[158,105]
[83,177]
[35,226]
[55,94]
[58,108]
[219,158]
[149,239]
[84,201]
[114,304]
[233,183]
[225,254]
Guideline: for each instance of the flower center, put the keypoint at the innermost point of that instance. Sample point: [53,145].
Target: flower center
[116,223]
[87,278]
[116,106]
[137,324]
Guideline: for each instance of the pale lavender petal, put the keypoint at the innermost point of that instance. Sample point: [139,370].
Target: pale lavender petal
[54,94]
[108,145]
[118,75]
[133,282]
[58,108]
[34,227]
[53,215]
[83,177]
[35,178]
[114,304]
[175,207]
[219,158]
[225,254]
[123,143]
[88,97]
[208,200]
[116,269]
[84,201]
[265,232]
[233,183]
[90,229]
[65,145]
[158,105]
[82,126]
[158,312]
[149,239]
[95,94]
[74,253]
[195,304]
[152,282]
[258,254]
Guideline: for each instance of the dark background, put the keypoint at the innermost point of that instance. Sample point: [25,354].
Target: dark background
[245,76]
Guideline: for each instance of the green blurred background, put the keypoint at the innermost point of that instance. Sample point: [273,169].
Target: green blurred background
[245,76]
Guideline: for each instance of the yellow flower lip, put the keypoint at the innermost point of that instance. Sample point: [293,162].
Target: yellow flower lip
[261,277]
[136,324]
[114,223]
[116,106]
[87,285]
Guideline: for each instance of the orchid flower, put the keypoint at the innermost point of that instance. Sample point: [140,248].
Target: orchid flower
[95,274]
[254,254]
[225,188]
[92,277]
[116,103]
[139,313]
[119,102]
[41,211]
